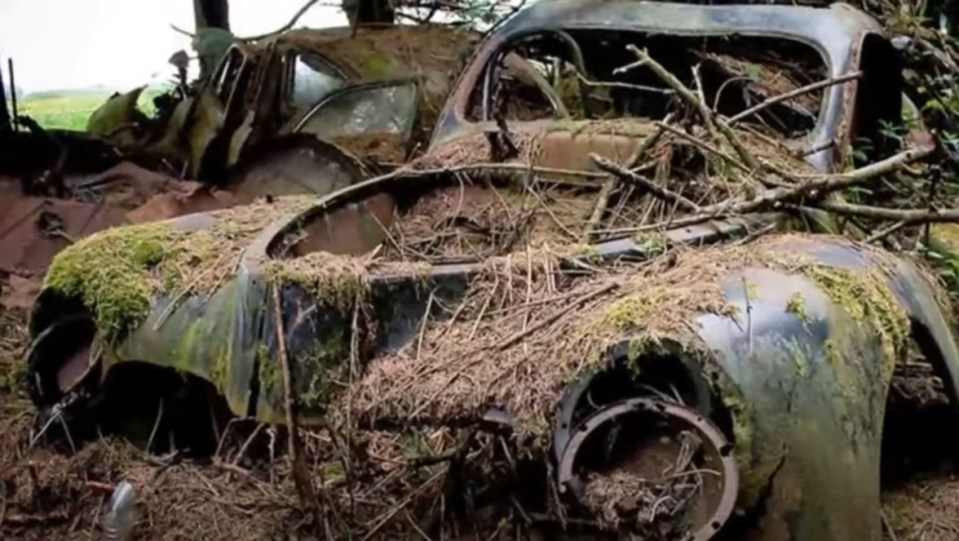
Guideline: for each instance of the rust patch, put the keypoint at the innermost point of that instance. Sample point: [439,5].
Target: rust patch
[34,229]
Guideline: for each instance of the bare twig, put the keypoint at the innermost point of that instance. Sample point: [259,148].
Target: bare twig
[819,186]
[653,188]
[284,28]
[710,119]
[885,232]
[558,314]
[640,154]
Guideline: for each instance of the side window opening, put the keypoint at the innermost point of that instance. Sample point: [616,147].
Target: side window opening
[376,119]
[596,77]
[313,80]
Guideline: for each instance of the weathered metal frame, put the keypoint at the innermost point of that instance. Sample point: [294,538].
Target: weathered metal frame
[829,30]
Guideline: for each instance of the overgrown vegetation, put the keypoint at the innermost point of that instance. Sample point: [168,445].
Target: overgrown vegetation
[70,110]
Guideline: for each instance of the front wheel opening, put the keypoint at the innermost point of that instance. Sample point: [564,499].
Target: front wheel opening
[655,468]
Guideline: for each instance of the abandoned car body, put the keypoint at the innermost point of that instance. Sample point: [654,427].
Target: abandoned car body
[442,296]
[358,90]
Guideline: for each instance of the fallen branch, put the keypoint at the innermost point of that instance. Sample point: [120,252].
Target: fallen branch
[301,478]
[818,187]
[649,185]
[885,232]
[792,94]
[882,213]
[712,121]
[602,202]
[881,167]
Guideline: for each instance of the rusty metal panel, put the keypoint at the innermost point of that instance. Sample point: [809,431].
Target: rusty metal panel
[34,229]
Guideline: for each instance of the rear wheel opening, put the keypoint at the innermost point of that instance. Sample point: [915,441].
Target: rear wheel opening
[918,407]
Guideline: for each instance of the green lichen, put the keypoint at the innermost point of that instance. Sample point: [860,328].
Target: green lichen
[269,371]
[833,355]
[798,356]
[221,370]
[110,272]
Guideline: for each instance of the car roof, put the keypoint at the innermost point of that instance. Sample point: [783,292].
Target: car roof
[830,29]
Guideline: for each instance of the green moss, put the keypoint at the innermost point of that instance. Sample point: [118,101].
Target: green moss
[269,371]
[14,378]
[332,471]
[337,284]
[640,346]
[652,244]
[943,256]
[110,272]
[592,255]
[866,298]
[376,66]
[796,305]
[627,313]
[117,273]
[323,365]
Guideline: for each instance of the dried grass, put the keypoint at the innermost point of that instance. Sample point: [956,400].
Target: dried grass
[654,505]
[924,510]
[526,329]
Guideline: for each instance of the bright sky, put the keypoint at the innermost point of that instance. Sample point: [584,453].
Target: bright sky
[59,44]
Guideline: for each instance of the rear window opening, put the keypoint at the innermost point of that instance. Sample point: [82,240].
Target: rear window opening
[444,222]
[460,218]
[591,75]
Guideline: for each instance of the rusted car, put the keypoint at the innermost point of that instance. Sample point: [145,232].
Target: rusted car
[682,381]
[305,111]
[373,92]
